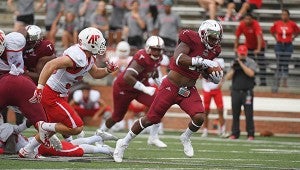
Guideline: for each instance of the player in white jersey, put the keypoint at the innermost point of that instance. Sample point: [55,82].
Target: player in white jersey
[59,74]
[11,141]
[14,44]
[211,90]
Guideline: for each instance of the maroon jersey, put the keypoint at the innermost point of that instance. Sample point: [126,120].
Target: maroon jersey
[32,56]
[149,65]
[197,48]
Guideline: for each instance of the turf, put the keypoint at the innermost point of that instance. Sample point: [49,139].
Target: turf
[210,153]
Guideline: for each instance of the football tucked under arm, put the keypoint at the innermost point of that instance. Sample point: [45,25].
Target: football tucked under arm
[213,74]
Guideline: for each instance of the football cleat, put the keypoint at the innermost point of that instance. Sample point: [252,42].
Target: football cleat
[105,135]
[44,135]
[187,145]
[119,150]
[25,154]
[108,150]
[156,142]
[55,142]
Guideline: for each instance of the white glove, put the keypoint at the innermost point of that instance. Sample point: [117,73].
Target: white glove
[215,76]
[15,71]
[146,89]
[205,63]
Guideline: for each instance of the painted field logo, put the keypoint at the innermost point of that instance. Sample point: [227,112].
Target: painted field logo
[93,39]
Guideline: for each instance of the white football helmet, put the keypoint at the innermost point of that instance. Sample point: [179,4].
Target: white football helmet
[155,42]
[210,32]
[92,40]
[123,49]
[34,35]
[2,42]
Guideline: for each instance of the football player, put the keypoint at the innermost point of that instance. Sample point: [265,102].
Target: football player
[195,52]
[16,88]
[11,142]
[59,75]
[37,51]
[133,84]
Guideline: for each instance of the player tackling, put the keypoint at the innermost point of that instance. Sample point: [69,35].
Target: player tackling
[194,53]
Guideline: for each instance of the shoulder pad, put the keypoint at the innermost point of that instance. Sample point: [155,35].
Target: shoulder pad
[15,41]
[77,55]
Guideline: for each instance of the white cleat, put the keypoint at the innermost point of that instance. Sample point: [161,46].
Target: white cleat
[25,154]
[204,135]
[156,142]
[55,142]
[187,145]
[44,134]
[105,135]
[107,150]
[119,150]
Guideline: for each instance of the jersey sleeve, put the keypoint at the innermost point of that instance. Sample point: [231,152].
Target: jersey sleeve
[238,31]
[296,28]
[273,28]
[258,30]
[48,48]
[165,60]
[185,36]
[139,57]
[77,55]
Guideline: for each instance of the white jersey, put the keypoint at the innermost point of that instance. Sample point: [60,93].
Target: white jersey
[91,103]
[207,85]
[62,79]
[15,42]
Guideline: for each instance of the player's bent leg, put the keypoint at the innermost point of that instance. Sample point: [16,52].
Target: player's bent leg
[123,143]
[28,150]
[194,125]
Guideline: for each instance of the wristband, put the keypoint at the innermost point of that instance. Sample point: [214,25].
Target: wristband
[197,61]
[139,86]
[40,86]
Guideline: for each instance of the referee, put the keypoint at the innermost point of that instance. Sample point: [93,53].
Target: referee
[242,74]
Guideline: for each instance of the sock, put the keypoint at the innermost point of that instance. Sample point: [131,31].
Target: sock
[188,133]
[49,126]
[154,131]
[129,123]
[205,130]
[88,140]
[223,128]
[20,128]
[69,139]
[104,127]
[33,143]
[130,135]
[95,149]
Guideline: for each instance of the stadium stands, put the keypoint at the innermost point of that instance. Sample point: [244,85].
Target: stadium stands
[192,15]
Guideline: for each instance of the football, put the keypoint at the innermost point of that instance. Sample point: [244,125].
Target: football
[209,70]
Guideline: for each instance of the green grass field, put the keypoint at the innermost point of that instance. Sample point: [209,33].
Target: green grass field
[210,153]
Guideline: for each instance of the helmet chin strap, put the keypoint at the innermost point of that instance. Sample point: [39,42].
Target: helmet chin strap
[154,58]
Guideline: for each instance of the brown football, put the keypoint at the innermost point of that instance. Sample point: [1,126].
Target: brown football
[209,70]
